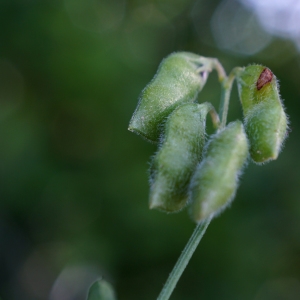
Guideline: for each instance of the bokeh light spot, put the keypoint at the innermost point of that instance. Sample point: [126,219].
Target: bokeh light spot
[236,29]
[73,282]
[280,18]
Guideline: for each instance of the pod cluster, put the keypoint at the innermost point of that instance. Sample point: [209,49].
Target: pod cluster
[189,169]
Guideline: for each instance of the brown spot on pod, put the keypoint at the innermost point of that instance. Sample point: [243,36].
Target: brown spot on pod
[265,77]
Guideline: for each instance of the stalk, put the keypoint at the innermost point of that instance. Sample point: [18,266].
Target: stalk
[183,260]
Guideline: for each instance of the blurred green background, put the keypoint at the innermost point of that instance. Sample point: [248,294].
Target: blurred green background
[73,180]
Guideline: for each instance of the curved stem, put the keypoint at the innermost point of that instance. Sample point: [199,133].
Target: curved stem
[224,104]
[220,70]
[226,83]
[208,64]
[183,260]
[215,118]
[225,95]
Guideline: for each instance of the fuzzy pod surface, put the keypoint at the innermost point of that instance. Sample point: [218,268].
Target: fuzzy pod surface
[176,82]
[264,117]
[215,180]
[177,157]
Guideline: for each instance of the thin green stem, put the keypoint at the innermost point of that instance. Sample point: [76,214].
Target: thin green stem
[214,117]
[226,82]
[183,260]
[220,70]
[209,64]
[224,103]
[225,96]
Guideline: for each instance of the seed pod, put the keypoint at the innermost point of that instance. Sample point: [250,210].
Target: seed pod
[176,82]
[215,180]
[175,161]
[264,117]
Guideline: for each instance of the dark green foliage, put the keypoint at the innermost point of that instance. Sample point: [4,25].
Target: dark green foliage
[73,179]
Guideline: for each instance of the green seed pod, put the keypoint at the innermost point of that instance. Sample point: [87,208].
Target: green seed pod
[215,180]
[101,290]
[175,161]
[176,82]
[264,117]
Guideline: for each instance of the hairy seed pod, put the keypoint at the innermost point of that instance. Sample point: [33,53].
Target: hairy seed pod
[176,82]
[179,153]
[215,180]
[264,117]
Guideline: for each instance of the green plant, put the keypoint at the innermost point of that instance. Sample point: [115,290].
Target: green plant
[101,290]
[188,169]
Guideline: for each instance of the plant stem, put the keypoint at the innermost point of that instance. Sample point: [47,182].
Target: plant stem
[183,260]
[225,95]
[220,70]
[224,104]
